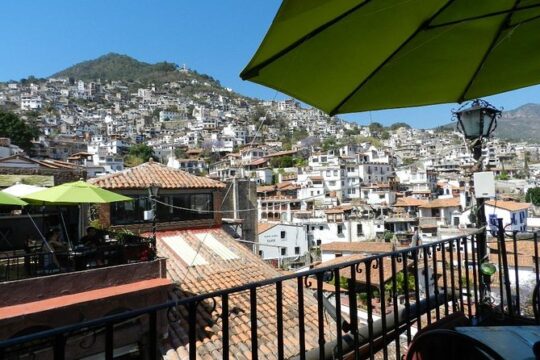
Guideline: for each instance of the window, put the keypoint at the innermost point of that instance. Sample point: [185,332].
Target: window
[283,251]
[359,230]
[320,228]
[335,173]
[340,229]
[261,254]
[187,207]
[318,242]
[313,228]
[283,234]
[297,250]
[328,173]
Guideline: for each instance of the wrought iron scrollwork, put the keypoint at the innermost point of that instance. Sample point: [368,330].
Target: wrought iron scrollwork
[307,282]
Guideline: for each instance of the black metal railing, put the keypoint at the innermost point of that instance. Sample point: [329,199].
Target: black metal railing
[120,249]
[390,298]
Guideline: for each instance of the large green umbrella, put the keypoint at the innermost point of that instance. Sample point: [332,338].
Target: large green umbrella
[349,55]
[78,192]
[10,200]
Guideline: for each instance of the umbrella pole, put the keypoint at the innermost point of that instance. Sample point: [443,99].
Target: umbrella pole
[40,233]
[65,229]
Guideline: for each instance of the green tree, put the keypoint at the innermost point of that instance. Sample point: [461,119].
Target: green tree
[503,176]
[400,284]
[533,196]
[376,127]
[385,135]
[20,133]
[330,144]
[388,235]
[282,162]
[142,152]
[398,125]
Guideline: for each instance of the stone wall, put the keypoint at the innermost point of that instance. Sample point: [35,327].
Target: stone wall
[60,175]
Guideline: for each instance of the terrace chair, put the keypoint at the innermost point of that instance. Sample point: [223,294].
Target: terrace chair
[449,345]
[449,322]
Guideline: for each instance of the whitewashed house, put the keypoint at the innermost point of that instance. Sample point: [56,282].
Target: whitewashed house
[514,214]
[281,241]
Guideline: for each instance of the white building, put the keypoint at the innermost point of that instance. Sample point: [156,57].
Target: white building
[31,102]
[281,241]
[514,214]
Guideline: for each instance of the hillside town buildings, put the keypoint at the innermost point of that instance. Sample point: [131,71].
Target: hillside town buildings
[324,179]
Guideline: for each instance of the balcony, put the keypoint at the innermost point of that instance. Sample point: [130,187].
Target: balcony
[394,296]
[118,249]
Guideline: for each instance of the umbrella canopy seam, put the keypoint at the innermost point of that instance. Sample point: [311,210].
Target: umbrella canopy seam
[390,57]
[247,74]
[494,42]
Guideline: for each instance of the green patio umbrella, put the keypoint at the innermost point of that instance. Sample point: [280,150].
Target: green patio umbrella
[10,200]
[349,56]
[73,193]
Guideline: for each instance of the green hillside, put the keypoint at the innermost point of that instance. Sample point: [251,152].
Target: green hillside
[122,67]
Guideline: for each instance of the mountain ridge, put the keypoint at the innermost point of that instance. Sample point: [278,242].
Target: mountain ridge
[120,67]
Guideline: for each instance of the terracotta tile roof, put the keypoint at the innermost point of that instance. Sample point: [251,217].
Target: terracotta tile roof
[48,163]
[266,188]
[144,175]
[258,162]
[361,276]
[409,201]
[222,274]
[522,261]
[262,227]
[508,205]
[524,247]
[282,153]
[287,185]
[442,203]
[338,209]
[367,247]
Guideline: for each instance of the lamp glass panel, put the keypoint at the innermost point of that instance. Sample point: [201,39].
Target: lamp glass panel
[471,123]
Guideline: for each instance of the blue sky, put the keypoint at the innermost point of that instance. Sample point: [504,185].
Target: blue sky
[213,37]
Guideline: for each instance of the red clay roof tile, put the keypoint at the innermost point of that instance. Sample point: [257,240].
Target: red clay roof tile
[144,175]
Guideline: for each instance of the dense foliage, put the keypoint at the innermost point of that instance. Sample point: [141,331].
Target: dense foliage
[20,133]
[139,154]
[533,196]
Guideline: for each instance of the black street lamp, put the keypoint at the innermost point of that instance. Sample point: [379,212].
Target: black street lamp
[477,122]
[153,190]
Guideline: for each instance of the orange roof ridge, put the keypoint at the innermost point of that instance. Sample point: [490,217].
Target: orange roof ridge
[144,175]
